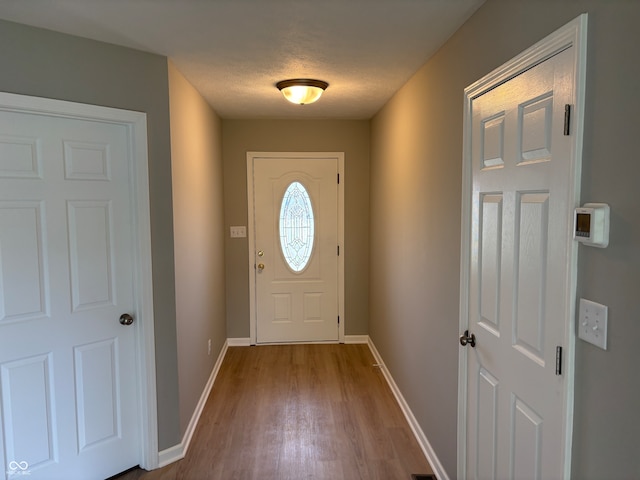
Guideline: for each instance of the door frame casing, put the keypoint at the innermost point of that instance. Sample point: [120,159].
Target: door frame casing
[136,126]
[573,34]
[252,157]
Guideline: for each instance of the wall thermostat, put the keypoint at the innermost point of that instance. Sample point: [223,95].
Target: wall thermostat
[591,224]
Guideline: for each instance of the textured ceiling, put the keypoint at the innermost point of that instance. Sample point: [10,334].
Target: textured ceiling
[234,51]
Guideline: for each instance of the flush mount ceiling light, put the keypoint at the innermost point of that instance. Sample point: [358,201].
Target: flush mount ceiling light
[302,90]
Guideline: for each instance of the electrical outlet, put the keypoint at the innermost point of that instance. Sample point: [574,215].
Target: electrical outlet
[238,231]
[209,347]
[592,323]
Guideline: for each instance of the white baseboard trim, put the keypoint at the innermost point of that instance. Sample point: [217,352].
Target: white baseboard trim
[428,451]
[239,342]
[170,455]
[351,339]
[177,452]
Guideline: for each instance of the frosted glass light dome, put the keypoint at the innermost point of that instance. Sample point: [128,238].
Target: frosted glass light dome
[302,91]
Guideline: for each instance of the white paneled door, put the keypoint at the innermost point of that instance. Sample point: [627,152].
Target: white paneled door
[68,398]
[521,261]
[296,249]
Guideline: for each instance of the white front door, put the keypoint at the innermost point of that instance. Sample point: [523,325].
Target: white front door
[68,368]
[521,266]
[296,249]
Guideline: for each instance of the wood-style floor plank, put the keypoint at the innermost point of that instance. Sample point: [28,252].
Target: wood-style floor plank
[291,412]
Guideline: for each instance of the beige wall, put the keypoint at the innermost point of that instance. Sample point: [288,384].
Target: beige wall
[416,158]
[198,213]
[350,137]
[43,63]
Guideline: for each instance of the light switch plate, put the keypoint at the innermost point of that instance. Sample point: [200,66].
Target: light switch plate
[238,231]
[592,323]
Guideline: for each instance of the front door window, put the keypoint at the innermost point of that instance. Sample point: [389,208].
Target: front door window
[297,226]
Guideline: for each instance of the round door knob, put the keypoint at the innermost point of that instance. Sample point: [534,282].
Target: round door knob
[126,319]
[261,266]
[466,339]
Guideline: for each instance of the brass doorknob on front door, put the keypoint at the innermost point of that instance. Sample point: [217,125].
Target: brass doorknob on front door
[126,319]
[466,339]
[261,266]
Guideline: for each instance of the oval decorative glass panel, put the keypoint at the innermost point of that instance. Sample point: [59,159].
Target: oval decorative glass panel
[297,227]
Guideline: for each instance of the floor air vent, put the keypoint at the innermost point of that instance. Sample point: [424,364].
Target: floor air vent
[418,476]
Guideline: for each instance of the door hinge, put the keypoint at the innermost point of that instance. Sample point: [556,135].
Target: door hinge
[558,360]
[567,119]
[338,179]
[338,319]
[338,250]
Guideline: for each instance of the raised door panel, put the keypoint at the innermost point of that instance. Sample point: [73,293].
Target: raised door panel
[535,120]
[526,441]
[98,402]
[282,308]
[312,304]
[28,413]
[492,141]
[20,157]
[87,161]
[490,261]
[528,321]
[23,276]
[486,425]
[91,254]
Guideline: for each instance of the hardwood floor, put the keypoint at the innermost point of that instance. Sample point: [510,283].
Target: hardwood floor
[291,412]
